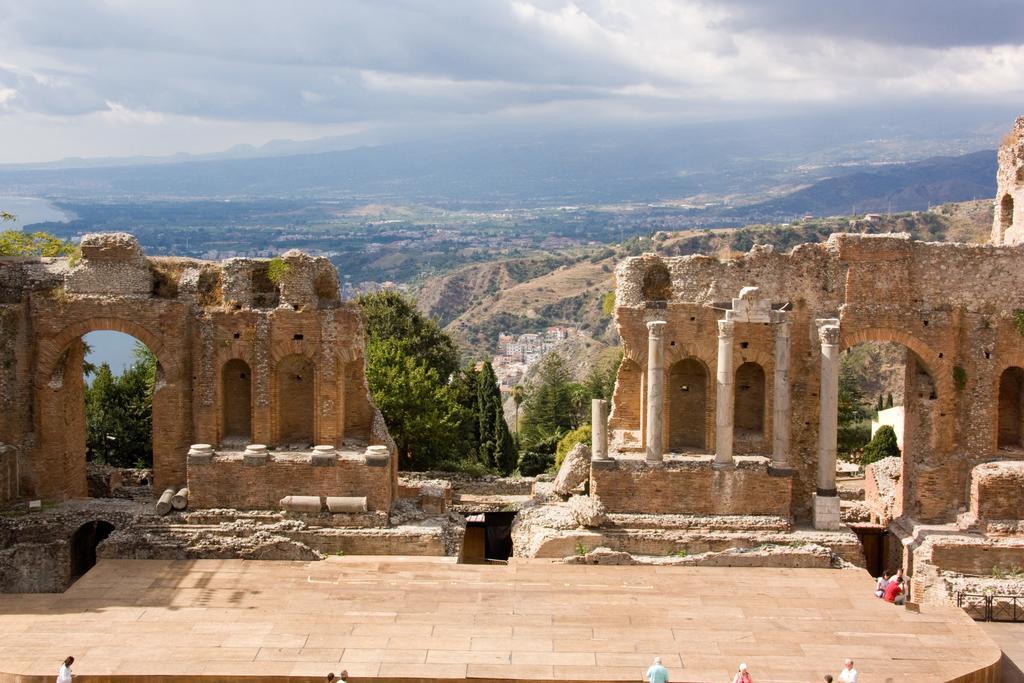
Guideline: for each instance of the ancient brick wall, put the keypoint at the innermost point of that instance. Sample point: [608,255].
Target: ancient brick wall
[689,487]
[953,306]
[228,482]
[997,491]
[207,324]
[1008,223]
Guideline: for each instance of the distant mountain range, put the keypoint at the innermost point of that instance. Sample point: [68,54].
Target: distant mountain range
[898,187]
[726,163]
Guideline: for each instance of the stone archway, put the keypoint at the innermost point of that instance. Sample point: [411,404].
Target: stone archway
[929,396]
[687,405]
[296,401]
[236,402]
[1010,430]
[58,462]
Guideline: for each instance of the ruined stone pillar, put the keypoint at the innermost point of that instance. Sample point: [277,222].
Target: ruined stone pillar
[726,388]
[780,397]
[826,501]
[599,429]
[655,390]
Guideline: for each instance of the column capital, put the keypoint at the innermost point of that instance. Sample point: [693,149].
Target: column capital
[726,328]
[829,335]
[655,328]
[828,331]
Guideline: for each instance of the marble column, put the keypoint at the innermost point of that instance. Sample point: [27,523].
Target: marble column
[599,429]
[726,394]
[780,394]
[826,501]
[655,390]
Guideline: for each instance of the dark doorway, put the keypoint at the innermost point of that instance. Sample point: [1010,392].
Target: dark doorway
[83,546]
[874,541]
[488,538]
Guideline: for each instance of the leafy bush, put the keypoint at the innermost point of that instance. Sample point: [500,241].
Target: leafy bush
[567,442]
[882,445]
[532,463]
[277,270]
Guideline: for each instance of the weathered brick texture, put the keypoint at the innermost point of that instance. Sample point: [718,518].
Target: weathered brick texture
[953,306]
[241,359]
[228,482]
[689,487]
[997,491]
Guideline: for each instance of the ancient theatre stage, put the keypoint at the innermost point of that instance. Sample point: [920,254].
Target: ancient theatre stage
[417,618]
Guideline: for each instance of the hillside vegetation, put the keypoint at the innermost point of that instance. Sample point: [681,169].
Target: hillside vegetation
[478,302]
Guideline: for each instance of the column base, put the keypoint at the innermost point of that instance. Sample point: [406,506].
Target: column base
[723,465]
[826,513]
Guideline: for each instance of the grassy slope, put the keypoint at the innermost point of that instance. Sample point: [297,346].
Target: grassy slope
[479,301]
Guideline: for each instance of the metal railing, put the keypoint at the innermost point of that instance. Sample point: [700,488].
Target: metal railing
[991,607]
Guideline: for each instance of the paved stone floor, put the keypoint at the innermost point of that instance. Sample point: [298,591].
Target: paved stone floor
[416,618]
[1009,637]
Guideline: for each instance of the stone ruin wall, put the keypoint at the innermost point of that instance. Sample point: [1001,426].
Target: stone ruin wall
[952,305]
[301,346]
[1008,223]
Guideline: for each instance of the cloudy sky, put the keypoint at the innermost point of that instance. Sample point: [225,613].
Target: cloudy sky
[127,77]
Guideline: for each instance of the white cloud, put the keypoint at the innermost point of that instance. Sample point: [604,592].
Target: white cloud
[398,64]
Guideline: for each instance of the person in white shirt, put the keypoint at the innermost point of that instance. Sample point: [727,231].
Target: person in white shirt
[656,673]
[65,675]
[883,581]
[848,674]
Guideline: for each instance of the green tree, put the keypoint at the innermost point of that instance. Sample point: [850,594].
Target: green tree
[497,449]
[119,412]
[17,243]
[549,408]
[881,404]
[518,396]
[600,381]
[462,390]
[888,401]
[391,316]
[416,406]
[882,445]
[566,444]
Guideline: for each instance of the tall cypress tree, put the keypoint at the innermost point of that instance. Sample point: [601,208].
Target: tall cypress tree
[487,396]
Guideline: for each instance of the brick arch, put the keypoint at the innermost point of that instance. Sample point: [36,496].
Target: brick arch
[763,359]
[938,368]
[679,352]
[51,351]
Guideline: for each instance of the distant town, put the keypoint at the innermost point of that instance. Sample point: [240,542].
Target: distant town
[516,353]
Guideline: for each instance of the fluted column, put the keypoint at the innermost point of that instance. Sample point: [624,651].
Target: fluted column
[655,390]
[726,394]
[826,501]
[599,429]
[780,394]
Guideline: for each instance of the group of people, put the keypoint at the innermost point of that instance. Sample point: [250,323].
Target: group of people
[657,673]
[891,588]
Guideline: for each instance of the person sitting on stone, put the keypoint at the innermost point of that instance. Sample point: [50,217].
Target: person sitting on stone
[894,592]
[656,673]
[883,581]
[742,675]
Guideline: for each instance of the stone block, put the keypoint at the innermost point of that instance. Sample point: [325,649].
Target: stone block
[255,455]
[377,456]
[324,456]
[826,513]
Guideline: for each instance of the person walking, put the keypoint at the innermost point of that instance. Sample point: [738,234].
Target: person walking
[65,675]
[656,673]
[742,674]
[848,674]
